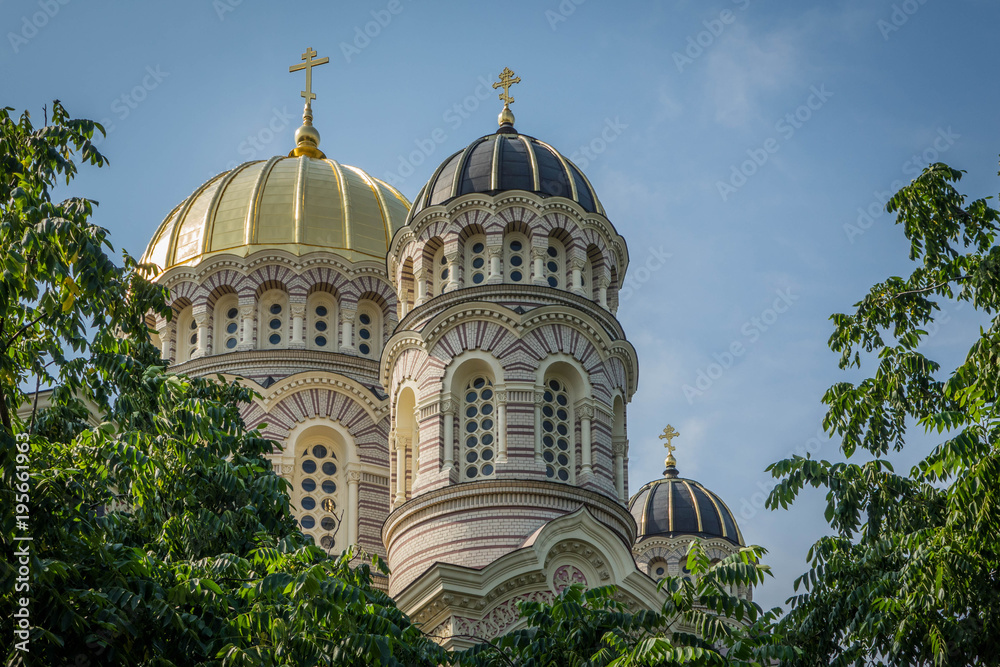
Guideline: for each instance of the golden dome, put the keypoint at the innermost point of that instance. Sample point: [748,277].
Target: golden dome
[298,204]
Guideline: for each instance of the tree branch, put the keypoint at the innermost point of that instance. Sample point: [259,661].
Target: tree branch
[923,290]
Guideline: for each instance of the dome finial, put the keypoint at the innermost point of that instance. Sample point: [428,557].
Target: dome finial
[307,136]
[669,433]
[507,79]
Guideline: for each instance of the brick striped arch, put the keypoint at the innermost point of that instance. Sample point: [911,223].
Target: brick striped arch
[325,279]
[274,276]
[187,293]
[370,437]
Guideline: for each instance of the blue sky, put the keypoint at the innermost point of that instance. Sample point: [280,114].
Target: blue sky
[743,149]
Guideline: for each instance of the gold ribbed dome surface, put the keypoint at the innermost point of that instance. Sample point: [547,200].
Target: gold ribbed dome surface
[298,204]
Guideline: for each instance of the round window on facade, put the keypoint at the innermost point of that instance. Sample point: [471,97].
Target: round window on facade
[365,319]
[365,349]
[321,311]
[308,522]
[232,313]
[231,343]
[275,309]
[274,339]
[308,503]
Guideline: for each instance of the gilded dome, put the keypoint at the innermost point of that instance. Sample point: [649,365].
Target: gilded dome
[299,204]
[507,160]
[674,506]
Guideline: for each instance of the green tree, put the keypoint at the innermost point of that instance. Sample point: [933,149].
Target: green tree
[701,623]
[201,563]
[912,574]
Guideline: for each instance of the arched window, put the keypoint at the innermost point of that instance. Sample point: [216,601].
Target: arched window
[478,428]
[272,329]
[321,322]
[557,430]
[555,264]
[658,568]
[440,269]
[226,328]
[515,254]
[187,335]
[316,491]
[369,330]
[477,263]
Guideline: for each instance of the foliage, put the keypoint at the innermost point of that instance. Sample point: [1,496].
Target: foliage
[201,562]
[911,576]
[702,622]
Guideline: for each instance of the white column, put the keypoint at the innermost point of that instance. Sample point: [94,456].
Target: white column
[538,259]
[495,253]
[353,478]
[453,281]
[448,414]
[247,312]
[347,328]
[586,415]
[418,276]
[400,470]
[501,426]
[618,447]
[577,272]
[166,334]
[539,400]
[602,287]
[298,311]
[200,315]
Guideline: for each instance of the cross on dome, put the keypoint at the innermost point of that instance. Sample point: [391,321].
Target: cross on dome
[507,79]
[307,136]
[669,433]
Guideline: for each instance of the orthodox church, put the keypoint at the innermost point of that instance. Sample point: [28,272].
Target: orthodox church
[447,377]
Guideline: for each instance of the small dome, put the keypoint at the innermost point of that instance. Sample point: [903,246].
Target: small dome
[298,204]
[507,161]
[675,506]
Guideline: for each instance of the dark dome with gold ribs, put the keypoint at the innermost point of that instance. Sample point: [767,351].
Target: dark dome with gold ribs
[675,506]
[503,161]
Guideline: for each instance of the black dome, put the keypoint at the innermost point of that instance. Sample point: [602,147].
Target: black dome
[675,506]
[507,161]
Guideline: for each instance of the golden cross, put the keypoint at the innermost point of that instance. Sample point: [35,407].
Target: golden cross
[507,79]
[669,434]
[307,66]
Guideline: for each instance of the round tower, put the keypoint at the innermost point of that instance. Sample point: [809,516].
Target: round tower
[508,373]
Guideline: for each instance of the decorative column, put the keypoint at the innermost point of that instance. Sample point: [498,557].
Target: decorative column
[347,329]
[602,290]
[501,426]
[298,311]
[539,401]
[353,478]
[538,262]
[618,445]
[166,334]
[586,415]
[453,280]
[419,276]
[400,470]
[248,309]
[576,265]
[448,415]
[495,253]
[200,315]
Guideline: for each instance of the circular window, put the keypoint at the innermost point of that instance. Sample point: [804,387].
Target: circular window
[660,571]
[329,486]
[194,325]
[309,466]
[328,523]
[231,327]
[308,503]
[326,542]
[308,522]
[552,266]
[321,311]
[516,260]
[478,248]
[308,485]
[553,281]
[329,468]
[488,469]
[552,251]
[194,339]
[444,274]
[329,505]
[471,472]
[231,343]
[366,334]
[275,323]
[478,263]
[516,276]
[320,341]
[515,245]
[319,451]
[365,319]
[478,278]
[364,349]
[321,326]
[472,457]
[232,313]
[274,339]
[275,308]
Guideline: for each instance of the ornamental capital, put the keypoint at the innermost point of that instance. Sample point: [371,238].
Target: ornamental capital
[448,406]
[247,311]
[495,251]
[353,476]
[297,309]
[585,412]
